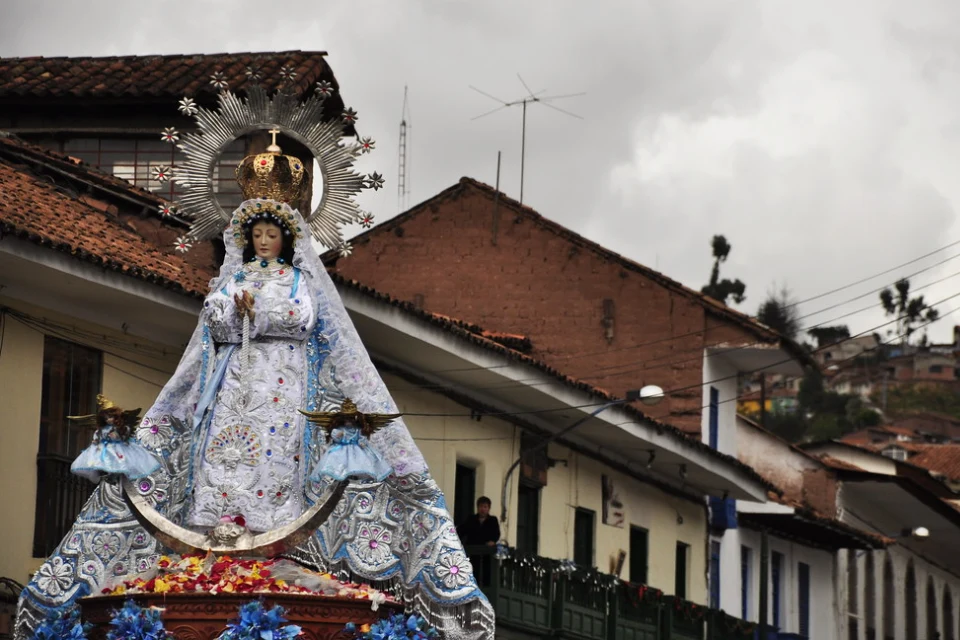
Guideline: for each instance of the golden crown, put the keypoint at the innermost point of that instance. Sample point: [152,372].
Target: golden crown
[272,175]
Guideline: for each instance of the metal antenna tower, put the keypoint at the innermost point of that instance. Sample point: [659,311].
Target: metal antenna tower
[403,183]
[530,98]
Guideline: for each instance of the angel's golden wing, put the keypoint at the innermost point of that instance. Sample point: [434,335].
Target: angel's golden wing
[322,419]
[377,421]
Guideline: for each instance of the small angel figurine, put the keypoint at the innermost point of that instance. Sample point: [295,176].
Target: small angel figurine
[350,453]
[112,451]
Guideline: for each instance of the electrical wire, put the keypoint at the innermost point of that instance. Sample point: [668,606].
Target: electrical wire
[696,354]
[799,302]
[678,390]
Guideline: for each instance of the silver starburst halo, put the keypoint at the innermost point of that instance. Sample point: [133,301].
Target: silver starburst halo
[236,117]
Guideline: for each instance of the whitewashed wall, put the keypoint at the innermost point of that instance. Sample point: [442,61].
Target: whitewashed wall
[900,558]
[823,609]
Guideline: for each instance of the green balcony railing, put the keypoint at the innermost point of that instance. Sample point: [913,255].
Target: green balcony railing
[542,597]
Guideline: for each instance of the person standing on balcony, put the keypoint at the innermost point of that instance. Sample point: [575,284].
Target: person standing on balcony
[480,529]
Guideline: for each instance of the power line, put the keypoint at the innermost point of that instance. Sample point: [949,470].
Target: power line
[659,362]
[702,331]
[725,378]
[882,273]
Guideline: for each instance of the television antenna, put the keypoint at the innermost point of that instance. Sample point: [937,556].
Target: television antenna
[530,98]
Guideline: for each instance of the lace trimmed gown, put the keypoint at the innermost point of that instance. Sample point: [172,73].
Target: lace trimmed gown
[251,434]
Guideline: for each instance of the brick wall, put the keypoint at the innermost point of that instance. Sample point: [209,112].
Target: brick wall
[508,270]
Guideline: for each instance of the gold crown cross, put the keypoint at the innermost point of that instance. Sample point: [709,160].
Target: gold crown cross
[274,147]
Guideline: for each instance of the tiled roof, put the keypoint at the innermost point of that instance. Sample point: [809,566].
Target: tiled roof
[473,333]
[865,437]
[160,77]
[36,210]
[759,330]
[939,458]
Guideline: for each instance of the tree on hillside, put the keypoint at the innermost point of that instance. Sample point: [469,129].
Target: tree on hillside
[829,335]
[722,289]
[779,312]
[909,312]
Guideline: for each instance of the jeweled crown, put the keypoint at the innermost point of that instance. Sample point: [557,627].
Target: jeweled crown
[272,175]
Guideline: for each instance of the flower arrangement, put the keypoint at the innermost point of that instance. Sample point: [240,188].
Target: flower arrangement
[62,625]
[255,622]
[223,574]
[688,610]
[646,595]
[397,626]
[133,622]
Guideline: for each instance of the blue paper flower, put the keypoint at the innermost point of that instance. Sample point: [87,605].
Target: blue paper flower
[62,625]
[133,622]
[396,627]
[256,623]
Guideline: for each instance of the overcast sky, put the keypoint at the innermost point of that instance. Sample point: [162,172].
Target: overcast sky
[820,137]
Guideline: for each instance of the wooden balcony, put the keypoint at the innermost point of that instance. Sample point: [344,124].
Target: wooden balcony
[536,597]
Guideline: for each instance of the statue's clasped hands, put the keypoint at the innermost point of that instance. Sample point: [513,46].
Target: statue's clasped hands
[244,303]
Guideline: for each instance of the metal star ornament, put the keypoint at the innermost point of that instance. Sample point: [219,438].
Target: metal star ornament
[162,174]
[287,74]
[235,117]
[366,220]
[170,135]
[219,81]
[367,144]
[374,181]
[349,116]
[166,209]
[254,74]
[324,89]
[183,244]
[188,107]
[345,249]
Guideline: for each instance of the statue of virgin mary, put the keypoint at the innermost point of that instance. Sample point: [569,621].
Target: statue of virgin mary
[273,339]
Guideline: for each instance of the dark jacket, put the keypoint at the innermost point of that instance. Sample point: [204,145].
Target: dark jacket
[474,532]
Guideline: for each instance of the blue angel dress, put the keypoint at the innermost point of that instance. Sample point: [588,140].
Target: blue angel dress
[111,454]
[350,454]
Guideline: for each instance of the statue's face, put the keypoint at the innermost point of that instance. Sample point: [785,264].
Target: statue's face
[267,240]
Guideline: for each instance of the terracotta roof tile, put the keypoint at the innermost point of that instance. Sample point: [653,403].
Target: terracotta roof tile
[157,77]
[938,458]
[37,211]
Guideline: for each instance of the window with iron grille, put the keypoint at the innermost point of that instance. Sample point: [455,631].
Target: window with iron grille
[70,384]
[135,160]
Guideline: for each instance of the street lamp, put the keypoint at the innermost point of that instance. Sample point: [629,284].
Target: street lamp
[648,395]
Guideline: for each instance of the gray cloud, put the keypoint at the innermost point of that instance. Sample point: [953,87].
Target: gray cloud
[819,137]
